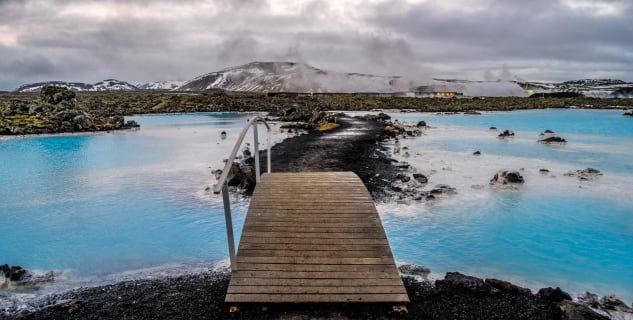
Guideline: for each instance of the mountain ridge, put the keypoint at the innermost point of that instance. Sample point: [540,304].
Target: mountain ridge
[288,76]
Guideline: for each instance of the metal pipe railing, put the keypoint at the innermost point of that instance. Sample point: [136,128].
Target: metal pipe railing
[223,187]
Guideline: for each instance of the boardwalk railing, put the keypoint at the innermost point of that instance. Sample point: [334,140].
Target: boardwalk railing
[223,187]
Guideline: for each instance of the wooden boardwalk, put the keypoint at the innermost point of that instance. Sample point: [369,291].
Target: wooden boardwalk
[314,237]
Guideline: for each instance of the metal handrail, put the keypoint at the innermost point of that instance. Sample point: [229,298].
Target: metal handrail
[223,187]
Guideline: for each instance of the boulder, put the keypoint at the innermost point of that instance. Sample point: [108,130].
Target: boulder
[543,171]
[586,174]
[420,178]
[13,273]
[455,282]
[477,153]
[506,134]
[421,124]
[414,270]
[508,287]
[54,95]
[378,117]
[589,299]
[493,128]
[574,311]
[553,140]
[612,303]
[507,177]
[547,132]
[553,295]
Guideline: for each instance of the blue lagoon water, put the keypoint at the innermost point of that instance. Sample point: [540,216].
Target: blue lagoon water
[554,231]
[102,206]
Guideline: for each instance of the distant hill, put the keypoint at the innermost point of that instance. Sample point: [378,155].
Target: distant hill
[105,85]
[596,88]
[291,77]
[160,85]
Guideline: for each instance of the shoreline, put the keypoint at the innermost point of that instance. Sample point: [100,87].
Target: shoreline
[198,293]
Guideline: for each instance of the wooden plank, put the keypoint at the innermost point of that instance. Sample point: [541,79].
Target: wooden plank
[316,298]
[315,235]
[314,224]
[313,260]
[349,270]
[303,247]
[311,282]
[315,228]
[315,275]
[366,288]
[303,240]
[316,253]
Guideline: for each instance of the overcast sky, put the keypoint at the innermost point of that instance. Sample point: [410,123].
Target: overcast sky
[143,41]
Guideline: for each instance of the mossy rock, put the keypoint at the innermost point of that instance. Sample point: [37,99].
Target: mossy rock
[55,95]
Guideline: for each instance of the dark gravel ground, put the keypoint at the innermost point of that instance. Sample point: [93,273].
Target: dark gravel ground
[201,296]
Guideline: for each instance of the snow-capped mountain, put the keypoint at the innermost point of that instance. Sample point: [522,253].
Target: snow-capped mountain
[36,87]
[596,88]
[113,85]
[291,76]
[160,85]
[105,85]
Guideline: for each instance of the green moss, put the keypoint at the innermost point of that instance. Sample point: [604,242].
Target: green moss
[27,120]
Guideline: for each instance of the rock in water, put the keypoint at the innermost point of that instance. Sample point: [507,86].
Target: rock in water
[420,178]
[477,153]
[507,177]
[414,269]
[586,174]
[506,134]
[553,140]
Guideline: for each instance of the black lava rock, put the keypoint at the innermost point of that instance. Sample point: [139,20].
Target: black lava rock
[553,295]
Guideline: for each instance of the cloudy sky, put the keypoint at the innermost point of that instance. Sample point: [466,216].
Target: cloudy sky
[143,41]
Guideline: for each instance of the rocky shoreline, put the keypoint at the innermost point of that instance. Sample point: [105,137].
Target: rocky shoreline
[201,296]
[56,111]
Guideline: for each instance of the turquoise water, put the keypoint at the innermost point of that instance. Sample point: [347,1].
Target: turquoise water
[95,206]
[102,204]
[553,231]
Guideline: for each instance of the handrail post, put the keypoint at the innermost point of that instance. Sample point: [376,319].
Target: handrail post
[268,153]
[256,150]
[229,224]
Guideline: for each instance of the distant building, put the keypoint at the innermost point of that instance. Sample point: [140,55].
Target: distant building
[436,92]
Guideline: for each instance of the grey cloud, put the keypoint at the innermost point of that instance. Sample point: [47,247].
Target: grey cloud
[538,39]
[239,48]
[514,31]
